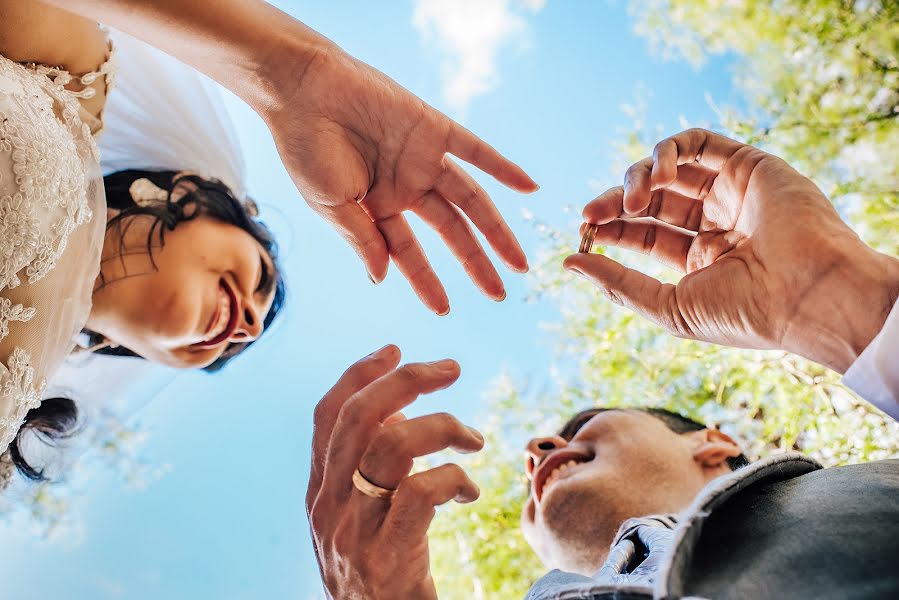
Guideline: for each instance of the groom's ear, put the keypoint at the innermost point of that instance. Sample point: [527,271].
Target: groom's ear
[712,448]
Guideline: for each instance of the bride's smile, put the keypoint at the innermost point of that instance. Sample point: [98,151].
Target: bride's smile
[224,318]
[202,290]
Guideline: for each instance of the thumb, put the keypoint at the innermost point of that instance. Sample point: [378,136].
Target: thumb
[363,236]
[632,289]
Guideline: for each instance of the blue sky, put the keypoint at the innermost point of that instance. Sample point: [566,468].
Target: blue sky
[542,81]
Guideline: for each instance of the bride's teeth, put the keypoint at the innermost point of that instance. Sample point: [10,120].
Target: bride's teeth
[224,317]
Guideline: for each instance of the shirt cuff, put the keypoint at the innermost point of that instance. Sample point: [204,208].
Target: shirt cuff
[875,374]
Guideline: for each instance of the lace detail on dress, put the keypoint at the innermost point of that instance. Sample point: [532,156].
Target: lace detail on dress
[19,393]
[34,147]
[48,174]
[12,312]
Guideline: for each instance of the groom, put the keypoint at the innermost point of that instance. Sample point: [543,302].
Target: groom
[642,503]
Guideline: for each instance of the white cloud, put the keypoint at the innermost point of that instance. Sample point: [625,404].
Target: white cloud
[470,34]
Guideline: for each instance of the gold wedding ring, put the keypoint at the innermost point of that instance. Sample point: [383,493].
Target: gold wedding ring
[587,239]
[369,489]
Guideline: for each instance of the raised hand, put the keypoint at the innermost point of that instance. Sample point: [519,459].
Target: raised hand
[768,261]
[363,150]
[377,547]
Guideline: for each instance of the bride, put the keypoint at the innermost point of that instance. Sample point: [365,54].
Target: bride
[138,286]
[361,150]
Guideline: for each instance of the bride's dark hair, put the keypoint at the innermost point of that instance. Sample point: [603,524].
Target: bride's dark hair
[201,196]
[56,418]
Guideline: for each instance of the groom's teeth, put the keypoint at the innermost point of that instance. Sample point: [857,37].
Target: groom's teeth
[556,472]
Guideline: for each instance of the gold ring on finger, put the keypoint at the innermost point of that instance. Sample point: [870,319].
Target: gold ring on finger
[369,489]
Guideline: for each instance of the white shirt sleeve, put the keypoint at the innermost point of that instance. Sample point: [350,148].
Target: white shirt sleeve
[875,374]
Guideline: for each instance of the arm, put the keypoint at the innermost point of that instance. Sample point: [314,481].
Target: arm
[35,32]
[361,149]
[238,43]
[768,262]
[375,547]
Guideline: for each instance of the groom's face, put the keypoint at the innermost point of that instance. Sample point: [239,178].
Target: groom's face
[619,464]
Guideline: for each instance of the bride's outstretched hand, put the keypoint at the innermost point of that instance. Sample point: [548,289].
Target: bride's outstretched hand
[363,150]
[768,261]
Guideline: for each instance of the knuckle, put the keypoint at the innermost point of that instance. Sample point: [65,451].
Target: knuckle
[411,373]
[456,472]
[447,422]
[349,414]
[613,296]
[388,442]
[418,487]
[322,411]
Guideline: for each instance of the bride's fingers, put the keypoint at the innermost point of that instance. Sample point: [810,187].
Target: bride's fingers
[710,150]
[477,152]
[458,187]
[453,228]
[664,205]
[665,244]
[356,227]
[412,509]
[354,379]
[410,259]
[632,289]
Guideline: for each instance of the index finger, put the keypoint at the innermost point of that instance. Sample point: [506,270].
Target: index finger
[359,375]
[362,415]
[475,151]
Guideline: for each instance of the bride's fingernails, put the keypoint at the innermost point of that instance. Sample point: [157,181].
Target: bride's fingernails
[444,313]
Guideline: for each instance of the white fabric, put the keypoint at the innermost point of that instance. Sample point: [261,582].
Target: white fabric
[165,115]
[875,374]
[52,218]
[162,115]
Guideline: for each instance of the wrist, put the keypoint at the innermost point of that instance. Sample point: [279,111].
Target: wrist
[288,67]
[846,309]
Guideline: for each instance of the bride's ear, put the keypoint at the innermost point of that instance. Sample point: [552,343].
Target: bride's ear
[712,448]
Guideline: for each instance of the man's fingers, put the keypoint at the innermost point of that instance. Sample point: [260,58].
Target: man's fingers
[453,228]
[412,508]
[637,186]
[482,155]
[665,244]
[363,414]
[361,374]
[357,228]
[666,205]
[388,458]
[634,290]
[410,259]
[458,187]
[691,146]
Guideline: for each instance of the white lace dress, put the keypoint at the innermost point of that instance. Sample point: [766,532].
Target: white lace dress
[52,222]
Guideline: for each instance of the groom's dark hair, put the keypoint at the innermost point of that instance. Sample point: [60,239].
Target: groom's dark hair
[676,422]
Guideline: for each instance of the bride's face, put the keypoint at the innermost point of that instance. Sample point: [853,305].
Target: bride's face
[211,287]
